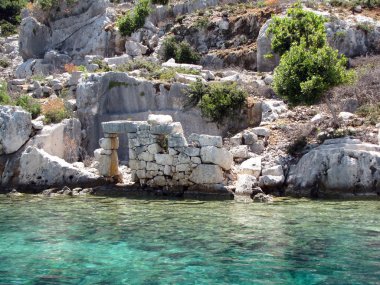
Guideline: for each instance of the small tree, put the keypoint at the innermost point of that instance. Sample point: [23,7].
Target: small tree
[298,24]
[303,75]
[308,66]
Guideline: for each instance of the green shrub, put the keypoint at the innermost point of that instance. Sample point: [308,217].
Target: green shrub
[55,111]
[134,19]
[170,47]
[371,112]
[167,74]
[182,52]
[160,2]
[138,64]
[308,66]
[4,63]
[10,15]
[29,104]
[217,101]
[5,99]
[303,75]
[298,24]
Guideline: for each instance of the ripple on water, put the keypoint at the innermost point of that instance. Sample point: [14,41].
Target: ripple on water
[97,240]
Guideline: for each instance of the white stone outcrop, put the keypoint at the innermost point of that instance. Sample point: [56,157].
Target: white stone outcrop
[62,140]
[15,128]
[338,167]
[251,166]
[78,33]
[40,169]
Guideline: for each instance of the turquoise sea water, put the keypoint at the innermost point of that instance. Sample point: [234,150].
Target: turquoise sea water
[125,241]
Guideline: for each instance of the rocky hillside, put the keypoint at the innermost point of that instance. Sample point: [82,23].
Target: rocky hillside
[209,65]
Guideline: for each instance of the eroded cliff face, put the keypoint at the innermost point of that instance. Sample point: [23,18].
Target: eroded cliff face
[76,30]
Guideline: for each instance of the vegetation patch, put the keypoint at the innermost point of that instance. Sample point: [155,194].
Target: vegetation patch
[55,111]
[182,52]
[217,101]
[29,104]
[309,66]
[114,84]
[10,16]
[134,19]
[371,112]
[5,99]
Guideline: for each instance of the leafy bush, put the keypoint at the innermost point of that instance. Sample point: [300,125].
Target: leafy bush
[5,99]
[47,5]
[217,101]
[138,63]
[10,15]
[308,66]
[298,24]
[29,104]
[4,63]
[303,75]
[55,111]
[182,52]
[160,2]
[134,19]
[371,112]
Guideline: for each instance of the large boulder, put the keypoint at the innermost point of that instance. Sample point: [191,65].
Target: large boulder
[62,140]
[337,168]
[78,33]
[41,170]
[267,60]
[219,156]
[15,128]
[207,174]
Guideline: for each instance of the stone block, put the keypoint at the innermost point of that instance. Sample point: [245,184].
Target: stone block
[207,174]
[205,140]
[251,166]
[177,140]
[109,143]
[249,137]
[159,119]
[163,159]
[240,151]
[151,166]
[167,129]
[274,171]
[219,156]
[183,167]
[236,140]
[109,165]
[146,156]
[261,131]
[154,148]
[192,151]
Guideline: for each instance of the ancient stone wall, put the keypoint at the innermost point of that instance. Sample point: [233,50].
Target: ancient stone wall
[160,155]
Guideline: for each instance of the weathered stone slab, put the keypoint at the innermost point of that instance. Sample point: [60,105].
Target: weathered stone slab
[219,156]
[119,127]
[251,166]
[207,174]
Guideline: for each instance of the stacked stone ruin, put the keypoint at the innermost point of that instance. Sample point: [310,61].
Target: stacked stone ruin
[161,156]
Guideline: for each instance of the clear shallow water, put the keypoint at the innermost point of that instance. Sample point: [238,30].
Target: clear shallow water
[124,241]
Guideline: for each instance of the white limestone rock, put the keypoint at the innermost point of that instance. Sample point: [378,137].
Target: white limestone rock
[338,167]
[15,128]
[251,166]
[219,156]
[240,151]
[159,119]
[41,169]
[207,174]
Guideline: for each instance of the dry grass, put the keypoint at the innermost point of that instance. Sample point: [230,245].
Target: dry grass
[70,68]
[55,111]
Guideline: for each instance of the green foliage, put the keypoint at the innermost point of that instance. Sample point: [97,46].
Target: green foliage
[55,111]
[160,2]
[182,52]
[353,3]
[113,84]
[308,66]
[4,63]
[366,27]
[10,15]
[29,104]
[297,146]
[47,5]
[202,22]
[303,75]
[371,112]
[299,24]
[167,74]
[217,101]
[138,64]
[5,99]
[134,19]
